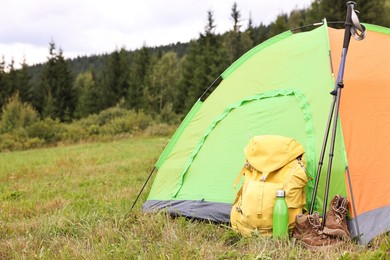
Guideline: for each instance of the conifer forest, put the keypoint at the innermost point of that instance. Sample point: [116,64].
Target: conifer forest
[161,82]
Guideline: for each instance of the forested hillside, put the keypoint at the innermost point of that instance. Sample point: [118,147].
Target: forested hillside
[162,81]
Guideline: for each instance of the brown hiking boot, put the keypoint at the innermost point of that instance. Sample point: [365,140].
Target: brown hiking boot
[301,224]
[308,230]
[336,218]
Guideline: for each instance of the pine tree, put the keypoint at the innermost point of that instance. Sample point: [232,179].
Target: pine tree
[23,83]
[250,30]
[55,95]
[260,33]
[279,26]
[204,62]
[236,17]
[190,64]
[4,92]
[139,75]
[114,82]
[87,94]
[375,12]
[12,78]
[296,19]
[237,43]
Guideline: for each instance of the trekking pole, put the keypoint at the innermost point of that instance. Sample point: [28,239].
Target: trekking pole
[355,29]
[322,155]
[352,28]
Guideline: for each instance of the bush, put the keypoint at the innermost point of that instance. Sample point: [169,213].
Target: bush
[16,114]
[167,115]
[88,126]
[18,140]
[160,130]
[28,131]
[130,123]
[87,121]
[9,142]
[34,142]
[73,133]
[48,129]
[110,114]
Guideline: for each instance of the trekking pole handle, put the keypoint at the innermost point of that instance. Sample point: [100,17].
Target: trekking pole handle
[350,9]
[348,23]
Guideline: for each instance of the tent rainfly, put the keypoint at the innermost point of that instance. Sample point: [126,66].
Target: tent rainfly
[282,87]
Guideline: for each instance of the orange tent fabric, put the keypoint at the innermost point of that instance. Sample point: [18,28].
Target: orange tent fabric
[365,116]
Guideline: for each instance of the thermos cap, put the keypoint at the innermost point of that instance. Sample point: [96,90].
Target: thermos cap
[280,193]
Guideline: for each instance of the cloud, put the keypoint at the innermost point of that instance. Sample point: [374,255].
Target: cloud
[100,26]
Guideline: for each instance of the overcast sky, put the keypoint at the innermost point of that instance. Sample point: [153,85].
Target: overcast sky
[85,27]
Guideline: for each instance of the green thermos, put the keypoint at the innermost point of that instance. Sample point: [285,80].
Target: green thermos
[280,216]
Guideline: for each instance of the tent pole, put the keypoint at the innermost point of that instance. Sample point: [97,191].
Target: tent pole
[216,81]
[154,168]
[143,187]
[353,205]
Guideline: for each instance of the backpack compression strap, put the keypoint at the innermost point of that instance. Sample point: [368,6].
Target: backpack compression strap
[249,167]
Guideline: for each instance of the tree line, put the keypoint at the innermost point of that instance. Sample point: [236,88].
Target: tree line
[162,81]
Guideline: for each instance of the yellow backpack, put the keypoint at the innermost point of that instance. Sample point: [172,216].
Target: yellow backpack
[272,163]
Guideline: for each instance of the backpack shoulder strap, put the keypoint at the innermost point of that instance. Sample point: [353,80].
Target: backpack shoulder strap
[241,173]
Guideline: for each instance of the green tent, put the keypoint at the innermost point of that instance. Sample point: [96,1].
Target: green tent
[282,87]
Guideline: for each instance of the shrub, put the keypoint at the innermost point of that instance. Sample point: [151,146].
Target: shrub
[87,121]
[129,123]
[48,129]
[28,131]
[18,140]
[109,114]
[161,129]
[16,114]
[9,142]
[168,116]
[73,133]
[33,143]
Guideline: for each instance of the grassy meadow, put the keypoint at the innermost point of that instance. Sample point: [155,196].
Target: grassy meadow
[73,202]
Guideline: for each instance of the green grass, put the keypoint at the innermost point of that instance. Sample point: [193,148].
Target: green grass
[73,202]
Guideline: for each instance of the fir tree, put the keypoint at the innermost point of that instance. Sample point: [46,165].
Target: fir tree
[55,95]
[23,83]
[376,12]
[114,82]
[12,78]
[4,92]
[236,18]
[237,43]
[279,26]
[250,30]
[87,94]
[205,61]
[139,72]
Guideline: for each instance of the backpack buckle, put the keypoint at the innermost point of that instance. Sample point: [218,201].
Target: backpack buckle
[248,166]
